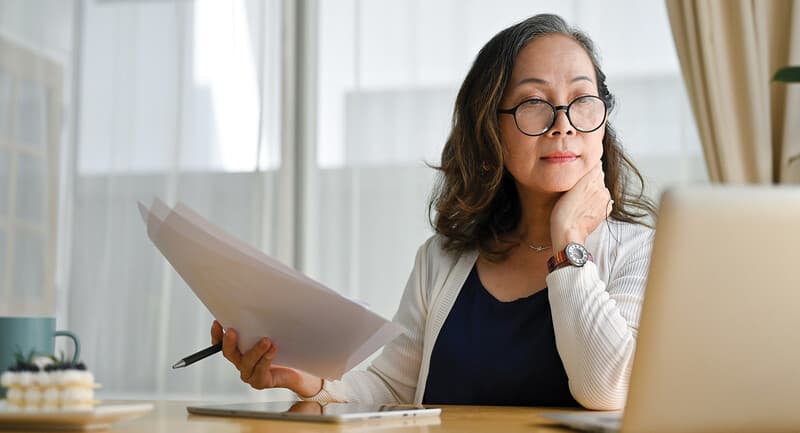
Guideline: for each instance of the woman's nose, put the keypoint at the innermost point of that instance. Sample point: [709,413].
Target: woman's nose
[562,124]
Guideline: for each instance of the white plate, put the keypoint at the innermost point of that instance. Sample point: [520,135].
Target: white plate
[99,417]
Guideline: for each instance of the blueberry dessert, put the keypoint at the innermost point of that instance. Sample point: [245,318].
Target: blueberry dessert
[48,383]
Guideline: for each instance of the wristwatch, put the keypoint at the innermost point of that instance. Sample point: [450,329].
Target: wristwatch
[572,255]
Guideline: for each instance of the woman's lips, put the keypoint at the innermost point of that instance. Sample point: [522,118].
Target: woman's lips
[560,158]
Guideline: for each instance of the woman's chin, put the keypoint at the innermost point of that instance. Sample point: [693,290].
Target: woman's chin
[553,184]
[557,185]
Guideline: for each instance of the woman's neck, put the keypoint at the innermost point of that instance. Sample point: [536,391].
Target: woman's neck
[534,223]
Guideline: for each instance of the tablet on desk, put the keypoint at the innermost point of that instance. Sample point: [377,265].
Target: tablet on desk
[313,411]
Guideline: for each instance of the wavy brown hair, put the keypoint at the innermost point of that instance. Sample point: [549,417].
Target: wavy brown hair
[475,198]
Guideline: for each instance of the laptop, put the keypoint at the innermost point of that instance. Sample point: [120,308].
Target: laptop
[719,340]
[321,412]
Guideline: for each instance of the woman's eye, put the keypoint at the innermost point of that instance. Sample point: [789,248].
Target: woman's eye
[584,99]
[531,98]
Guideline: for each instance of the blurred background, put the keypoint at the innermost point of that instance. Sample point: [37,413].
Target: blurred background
[302,127]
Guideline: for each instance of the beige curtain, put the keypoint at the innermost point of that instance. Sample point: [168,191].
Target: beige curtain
[729,51]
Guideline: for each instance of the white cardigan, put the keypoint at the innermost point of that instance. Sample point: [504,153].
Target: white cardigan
[595,311]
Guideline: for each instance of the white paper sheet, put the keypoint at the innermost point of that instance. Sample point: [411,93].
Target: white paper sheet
[316,329]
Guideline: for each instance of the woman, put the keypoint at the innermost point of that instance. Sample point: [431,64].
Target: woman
[531,290]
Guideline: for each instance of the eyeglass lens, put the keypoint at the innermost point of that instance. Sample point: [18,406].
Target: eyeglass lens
[536,116]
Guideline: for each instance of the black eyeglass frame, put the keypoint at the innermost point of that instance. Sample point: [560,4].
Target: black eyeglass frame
[556,109]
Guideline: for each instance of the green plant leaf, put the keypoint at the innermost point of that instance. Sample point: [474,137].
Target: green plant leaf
[19,356]
[789,74]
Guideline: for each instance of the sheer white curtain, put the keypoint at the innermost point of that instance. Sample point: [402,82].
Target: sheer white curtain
[387,79]
[178,100]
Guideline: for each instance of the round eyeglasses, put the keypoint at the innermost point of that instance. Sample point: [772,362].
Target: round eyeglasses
[536,116]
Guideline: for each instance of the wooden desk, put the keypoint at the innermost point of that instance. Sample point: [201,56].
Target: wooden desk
[171,417]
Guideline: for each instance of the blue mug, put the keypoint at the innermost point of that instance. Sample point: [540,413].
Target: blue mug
[23,335]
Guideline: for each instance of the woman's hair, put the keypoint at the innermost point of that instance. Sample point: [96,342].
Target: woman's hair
[475,197]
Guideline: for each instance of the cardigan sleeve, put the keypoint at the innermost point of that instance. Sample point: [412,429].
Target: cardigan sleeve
[596,322]
[392,376]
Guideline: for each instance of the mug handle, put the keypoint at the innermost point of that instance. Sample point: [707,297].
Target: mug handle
[75,341]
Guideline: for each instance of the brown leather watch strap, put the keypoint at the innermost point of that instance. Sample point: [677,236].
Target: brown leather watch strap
[560,260]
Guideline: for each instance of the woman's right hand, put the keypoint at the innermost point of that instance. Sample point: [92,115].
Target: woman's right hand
[580,210]
[256,368]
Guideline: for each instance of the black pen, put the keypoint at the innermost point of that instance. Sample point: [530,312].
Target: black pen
[205,353]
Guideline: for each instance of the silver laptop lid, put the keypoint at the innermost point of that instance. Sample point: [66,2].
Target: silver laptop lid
[719,341]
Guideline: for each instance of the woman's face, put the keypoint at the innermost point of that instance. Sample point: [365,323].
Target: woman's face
[556,69]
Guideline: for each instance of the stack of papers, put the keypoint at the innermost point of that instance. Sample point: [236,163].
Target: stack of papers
[316,329]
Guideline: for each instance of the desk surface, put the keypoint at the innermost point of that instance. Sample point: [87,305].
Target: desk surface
[171,416]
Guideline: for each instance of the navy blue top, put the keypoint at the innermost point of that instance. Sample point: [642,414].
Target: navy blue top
[490,352]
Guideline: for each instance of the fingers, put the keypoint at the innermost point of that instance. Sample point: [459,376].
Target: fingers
[593,179]
[599,174]
[262,376]
[594,190]
[600,203]
[252,357]
[229,349]
[253,365]
[578,212]
[599,188]
[216,332]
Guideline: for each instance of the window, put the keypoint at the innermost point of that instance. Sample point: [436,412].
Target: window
[30,128]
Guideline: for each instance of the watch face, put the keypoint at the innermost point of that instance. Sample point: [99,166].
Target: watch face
[577,254]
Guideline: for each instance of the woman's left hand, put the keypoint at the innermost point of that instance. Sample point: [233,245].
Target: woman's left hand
[580,210]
